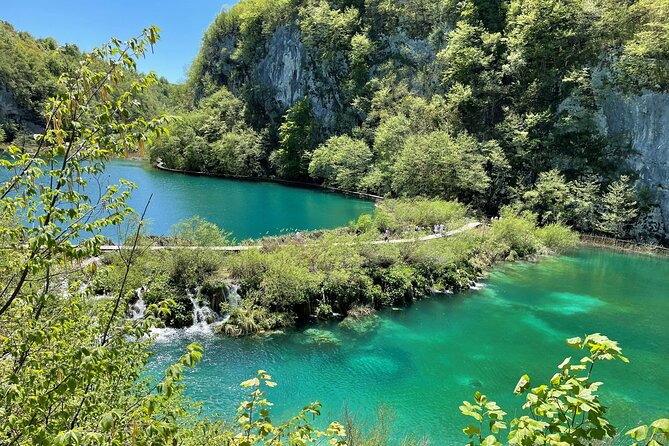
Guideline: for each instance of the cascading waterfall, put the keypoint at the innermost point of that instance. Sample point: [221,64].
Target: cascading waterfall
[233,298]
[138,308]
[205,319]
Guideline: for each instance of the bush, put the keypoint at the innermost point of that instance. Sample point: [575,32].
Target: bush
[199,232]
[557,238]
[189,268]
[179,304]
[402,214]
[516,231]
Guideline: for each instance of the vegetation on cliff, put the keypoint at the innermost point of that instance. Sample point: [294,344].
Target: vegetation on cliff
[476,100]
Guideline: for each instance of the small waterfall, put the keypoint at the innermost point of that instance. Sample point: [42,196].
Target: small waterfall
[138,308]
[233,298]
[204,318]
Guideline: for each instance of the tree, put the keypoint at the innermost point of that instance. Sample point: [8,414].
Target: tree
[549,198]
[389,138]
[327,30]
[438,164]
[341,162]
[619,208]
[582,212]
[297,134]
[199,232]
[70,367]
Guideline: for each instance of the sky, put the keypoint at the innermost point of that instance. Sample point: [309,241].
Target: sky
[88,23]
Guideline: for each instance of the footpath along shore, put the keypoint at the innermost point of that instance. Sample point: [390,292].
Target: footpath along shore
[467,227]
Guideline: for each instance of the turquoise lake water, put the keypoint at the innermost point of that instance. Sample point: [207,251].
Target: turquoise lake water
[424,360]
[248,209]
[245,208]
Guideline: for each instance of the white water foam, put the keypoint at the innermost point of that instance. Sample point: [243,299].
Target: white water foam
[205,319]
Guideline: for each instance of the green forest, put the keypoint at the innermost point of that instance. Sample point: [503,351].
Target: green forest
[488,102]
[476,125]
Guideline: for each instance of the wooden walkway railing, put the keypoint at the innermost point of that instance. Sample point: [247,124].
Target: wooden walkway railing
[623,245]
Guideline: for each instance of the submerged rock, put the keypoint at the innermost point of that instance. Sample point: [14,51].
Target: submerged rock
[360,325]
[319,337]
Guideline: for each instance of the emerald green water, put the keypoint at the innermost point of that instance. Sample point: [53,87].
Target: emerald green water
[424,360]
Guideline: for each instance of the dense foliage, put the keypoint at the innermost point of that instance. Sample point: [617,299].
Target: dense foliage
[291,280]
[476,100]
[489,103]
[29,73]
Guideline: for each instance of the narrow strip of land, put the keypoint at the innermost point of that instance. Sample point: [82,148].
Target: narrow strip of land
[237,248]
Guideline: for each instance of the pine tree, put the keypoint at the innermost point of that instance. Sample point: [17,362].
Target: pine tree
[619,208]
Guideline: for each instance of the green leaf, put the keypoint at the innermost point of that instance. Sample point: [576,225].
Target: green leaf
[471,430]
[564,364]
[638,433]
[107,421]
[575,342]
[662,424]
[253,382]
[523,384]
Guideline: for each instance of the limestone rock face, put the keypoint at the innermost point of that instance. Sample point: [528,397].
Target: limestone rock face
[283,67]
[645,120]
[283,72]
[8,107]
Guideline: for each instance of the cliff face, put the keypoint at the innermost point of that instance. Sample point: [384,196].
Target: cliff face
[283,67]
[287,73]
[645,120]
[281,72]
[8,107]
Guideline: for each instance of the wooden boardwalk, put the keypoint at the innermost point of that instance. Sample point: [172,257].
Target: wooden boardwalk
[238,248]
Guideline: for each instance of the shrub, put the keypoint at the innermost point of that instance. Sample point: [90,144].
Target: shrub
[199,232]
[516,231]
[557,238]
[400,214]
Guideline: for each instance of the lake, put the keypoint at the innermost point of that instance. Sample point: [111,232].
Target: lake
[424,360]
[248,209]
[245,208]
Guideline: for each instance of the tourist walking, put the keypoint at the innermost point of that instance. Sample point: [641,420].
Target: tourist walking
[386,235]
[442,229]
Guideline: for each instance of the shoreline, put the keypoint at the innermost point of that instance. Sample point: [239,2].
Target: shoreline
[627,246]
[290,183]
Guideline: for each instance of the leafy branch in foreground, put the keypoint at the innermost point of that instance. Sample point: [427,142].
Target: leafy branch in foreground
[565,412]
[254,425]
[70,365]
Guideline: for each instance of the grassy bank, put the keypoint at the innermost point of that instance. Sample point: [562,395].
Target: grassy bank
[333,274]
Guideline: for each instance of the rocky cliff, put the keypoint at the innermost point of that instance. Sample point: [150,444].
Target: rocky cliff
[644,119]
